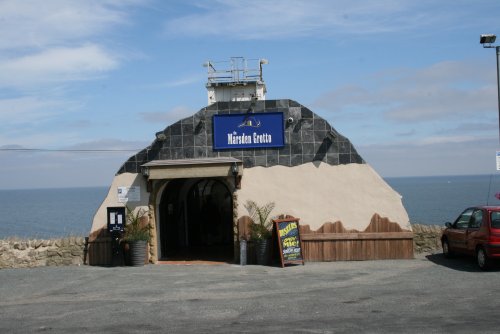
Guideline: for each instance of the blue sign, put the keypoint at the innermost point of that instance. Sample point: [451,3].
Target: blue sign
[251,130]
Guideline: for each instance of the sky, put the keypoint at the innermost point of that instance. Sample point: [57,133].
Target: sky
[406,81]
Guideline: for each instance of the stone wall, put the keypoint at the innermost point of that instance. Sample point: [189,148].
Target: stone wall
[427,238]
[17,253]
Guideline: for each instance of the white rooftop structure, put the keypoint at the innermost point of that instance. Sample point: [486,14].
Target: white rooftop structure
[238,79]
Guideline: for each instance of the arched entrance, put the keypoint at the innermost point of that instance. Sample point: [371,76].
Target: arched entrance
[196,220]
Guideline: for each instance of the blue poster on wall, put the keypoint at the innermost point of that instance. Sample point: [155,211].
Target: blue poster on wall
[251,130]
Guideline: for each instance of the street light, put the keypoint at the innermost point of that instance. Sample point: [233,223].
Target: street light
[487,40]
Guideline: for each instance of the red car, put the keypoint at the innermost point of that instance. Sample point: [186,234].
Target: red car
[475,232]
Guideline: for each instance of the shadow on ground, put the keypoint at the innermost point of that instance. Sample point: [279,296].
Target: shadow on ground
[459,262]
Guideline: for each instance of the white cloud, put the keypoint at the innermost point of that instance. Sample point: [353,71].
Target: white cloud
[106,145]
[28,137]
[168,117]
[441,156]
[58,40]
[439,119]
[56,65]
[432,140]
[263,19]
[441,91]
[25,169]
[178,82]
[441,102]
[43,47]
[110,144]
[30,120]
[186,80]
[32,24]
[48,169]
[80,124]
[26,109]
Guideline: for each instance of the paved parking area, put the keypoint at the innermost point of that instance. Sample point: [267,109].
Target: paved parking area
[429,294]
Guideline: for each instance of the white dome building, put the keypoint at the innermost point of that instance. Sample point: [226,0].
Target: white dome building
[196,177]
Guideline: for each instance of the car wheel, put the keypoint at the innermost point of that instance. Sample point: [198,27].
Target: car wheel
[446,248]
[482,259]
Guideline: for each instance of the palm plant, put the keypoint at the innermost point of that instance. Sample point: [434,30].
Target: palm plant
[136,228]
[261,226]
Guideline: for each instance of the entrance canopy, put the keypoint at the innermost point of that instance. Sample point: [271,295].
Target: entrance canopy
[192,168]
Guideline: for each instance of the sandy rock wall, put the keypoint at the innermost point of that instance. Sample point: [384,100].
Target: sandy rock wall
[319,193]
[17,253]
[123,180]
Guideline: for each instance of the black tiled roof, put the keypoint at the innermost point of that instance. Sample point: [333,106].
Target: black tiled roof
[307,139]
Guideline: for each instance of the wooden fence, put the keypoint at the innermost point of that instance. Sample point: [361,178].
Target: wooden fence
[100,252]
[382,239]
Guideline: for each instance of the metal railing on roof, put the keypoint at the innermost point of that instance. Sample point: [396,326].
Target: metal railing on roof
[236,70]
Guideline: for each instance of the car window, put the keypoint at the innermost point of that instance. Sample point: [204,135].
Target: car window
[495,219]
[462,221]
[477,219]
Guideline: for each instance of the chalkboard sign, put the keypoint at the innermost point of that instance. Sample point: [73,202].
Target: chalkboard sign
[288,236]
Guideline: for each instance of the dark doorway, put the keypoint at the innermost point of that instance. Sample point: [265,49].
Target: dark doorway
[196,220]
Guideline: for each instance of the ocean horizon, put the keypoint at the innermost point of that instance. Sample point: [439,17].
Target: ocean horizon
[49,212]
[60,212]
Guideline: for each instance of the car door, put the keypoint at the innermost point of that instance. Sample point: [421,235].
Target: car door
[458,231]
[472,235]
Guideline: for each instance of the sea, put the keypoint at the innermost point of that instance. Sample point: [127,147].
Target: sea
[49,213]
[52,213]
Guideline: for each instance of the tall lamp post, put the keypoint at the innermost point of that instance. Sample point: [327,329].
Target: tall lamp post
[487,42]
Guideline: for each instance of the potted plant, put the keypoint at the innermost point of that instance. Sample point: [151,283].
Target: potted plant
[137,235]
[260,229]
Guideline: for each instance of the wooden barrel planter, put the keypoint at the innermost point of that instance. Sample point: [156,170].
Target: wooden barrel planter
[138,252]
[262,247]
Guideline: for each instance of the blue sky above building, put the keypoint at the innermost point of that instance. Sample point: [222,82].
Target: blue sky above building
[406,81]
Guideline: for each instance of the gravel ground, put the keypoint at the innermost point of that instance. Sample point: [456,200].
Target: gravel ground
[429,294]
